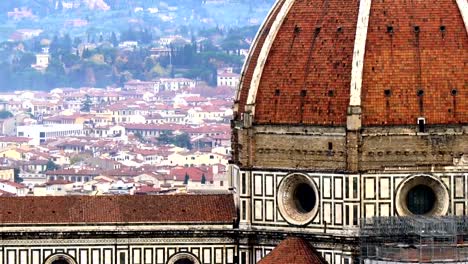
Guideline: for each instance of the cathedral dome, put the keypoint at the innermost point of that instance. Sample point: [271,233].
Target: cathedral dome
[393,62]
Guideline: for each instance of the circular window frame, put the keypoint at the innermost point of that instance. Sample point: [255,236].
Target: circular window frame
[442,200]
[60,256]
[183,255]
[286,204]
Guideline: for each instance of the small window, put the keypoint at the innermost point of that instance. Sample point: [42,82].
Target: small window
[244,259]
[122,258]
[347,215]
[297,29]
[243,184]
[389,29]
[355,188]
[422,125]
[244,208]
[355,215]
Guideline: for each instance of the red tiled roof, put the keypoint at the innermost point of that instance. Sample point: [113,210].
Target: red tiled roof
[194,173]
[6,194]
[58,182]
[146,152]
[293,250]
[147,189]
[195,99]
[118,209]
[152,126]
[15,139]
[437,65]
[13,184]
[72,172]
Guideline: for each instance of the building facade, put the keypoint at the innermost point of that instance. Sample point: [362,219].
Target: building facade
[118,230]
[40,133]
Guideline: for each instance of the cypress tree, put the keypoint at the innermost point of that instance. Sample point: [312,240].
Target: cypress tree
[186,179]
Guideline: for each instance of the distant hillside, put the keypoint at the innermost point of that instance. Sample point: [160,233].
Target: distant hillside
[45,7]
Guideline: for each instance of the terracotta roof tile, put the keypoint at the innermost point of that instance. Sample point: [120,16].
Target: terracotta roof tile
[15,139]
[118,209]
[293,250]
[414,64]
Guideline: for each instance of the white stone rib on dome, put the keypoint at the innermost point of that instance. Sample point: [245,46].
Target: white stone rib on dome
[463,6]
[257,75]
[254,46]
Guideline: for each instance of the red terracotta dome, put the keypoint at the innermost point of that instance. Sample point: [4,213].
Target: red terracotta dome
[395,60]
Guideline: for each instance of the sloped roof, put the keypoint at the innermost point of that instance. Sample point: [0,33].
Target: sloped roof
[293,250]
[118,209]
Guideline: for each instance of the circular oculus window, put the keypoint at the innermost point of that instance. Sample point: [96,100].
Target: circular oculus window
[298,199]
[422,195]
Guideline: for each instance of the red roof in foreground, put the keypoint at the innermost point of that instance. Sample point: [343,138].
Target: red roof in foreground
[293,250]
[118,209]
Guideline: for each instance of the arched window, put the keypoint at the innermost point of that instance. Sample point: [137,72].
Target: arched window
[60,261]
[60,258]
[184,261]
[183,258]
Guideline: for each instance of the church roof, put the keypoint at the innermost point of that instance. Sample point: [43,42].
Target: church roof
[118,209]
[293,250]
[313,59]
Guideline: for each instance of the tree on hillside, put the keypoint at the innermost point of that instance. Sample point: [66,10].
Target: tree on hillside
[114,40]
[26,60]
[186,178]
[86,53]
[86,105]
[183,141]
[165,138]
[140,137]
[17,178]
[50,166]
[203,179]
[5,114]
[77,41]
[60,5]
